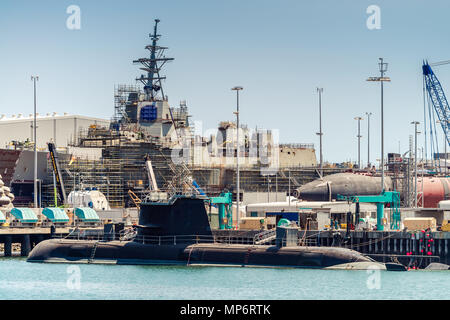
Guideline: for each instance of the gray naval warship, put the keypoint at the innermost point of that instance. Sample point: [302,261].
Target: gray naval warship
[177,232]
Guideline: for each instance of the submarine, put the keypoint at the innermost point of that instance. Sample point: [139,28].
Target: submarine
[177,232]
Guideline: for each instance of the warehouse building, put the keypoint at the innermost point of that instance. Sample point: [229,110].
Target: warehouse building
[61,129]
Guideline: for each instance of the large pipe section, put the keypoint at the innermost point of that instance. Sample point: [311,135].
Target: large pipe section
[435,189]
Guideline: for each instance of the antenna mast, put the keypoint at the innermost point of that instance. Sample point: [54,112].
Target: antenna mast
[152,82]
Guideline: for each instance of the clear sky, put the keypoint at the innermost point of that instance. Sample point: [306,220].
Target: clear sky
[279,51]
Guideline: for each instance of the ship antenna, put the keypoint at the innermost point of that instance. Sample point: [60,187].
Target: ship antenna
[152,82]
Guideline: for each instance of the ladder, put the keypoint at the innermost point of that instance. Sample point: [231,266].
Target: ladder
[94,249]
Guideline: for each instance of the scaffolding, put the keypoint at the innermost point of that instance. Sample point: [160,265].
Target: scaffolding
[123,95]
[120,169]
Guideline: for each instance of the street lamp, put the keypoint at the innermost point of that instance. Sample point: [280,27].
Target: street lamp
[415,123]
[320,133]
[445,145]
[34,79]
[383,68]
[237,89]
[368,114]
[359,140]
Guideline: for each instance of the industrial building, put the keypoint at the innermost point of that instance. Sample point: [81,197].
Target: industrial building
[17,130]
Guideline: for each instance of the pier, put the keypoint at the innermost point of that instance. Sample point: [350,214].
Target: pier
[28,238]
[409,248]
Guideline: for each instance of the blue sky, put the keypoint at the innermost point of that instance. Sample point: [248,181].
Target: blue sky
[279,51]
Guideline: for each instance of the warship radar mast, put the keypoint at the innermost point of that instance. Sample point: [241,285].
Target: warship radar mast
[153,65]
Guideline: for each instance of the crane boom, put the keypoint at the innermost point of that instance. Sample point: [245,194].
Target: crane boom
[151,174]
[437,98]
[57,172]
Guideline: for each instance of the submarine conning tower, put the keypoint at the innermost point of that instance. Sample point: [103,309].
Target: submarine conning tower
[181,215]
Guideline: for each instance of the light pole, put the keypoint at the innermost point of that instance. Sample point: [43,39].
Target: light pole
[415,123]
[320,133]
[359,140]
[445,146]
[368,114]
[237,89]
[289,190]
[383,68]
[423,169]
[34,79]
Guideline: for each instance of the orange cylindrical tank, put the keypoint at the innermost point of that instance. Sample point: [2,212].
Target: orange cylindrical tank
[434,190]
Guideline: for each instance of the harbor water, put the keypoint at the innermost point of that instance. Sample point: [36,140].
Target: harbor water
[34,281]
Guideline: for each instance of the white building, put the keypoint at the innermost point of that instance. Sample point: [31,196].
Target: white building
[61,129]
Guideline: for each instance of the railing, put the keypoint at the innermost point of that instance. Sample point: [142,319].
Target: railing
[298,145]
[159,240]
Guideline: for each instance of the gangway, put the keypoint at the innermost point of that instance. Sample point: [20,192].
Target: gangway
[265,237]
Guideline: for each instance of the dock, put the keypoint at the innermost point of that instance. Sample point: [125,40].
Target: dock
[28,238]
[409,248]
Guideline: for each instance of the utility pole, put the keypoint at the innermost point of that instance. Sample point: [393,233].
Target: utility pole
[368,138]
[320,133]
[237,89]
[383,68]
[445,146]
[34,79]
[289,190]
[359,140]
[415,123]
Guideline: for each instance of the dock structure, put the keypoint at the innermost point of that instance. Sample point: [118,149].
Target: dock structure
[416,249]
[28,238]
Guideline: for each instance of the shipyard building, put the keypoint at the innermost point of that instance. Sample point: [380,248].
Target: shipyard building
[17,130]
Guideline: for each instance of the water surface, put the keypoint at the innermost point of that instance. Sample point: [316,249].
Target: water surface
[23,280]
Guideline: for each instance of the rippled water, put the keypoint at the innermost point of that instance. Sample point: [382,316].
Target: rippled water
[22,280]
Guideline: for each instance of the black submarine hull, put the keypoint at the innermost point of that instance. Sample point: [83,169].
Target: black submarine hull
[204,254]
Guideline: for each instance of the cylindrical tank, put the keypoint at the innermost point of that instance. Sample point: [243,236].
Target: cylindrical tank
[434,190]
[346,184]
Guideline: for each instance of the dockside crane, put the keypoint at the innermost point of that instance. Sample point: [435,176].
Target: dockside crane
[437,101]
[59,185]
[389,198]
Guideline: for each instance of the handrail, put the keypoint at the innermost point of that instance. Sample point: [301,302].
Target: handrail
[160,240]
[260,237]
